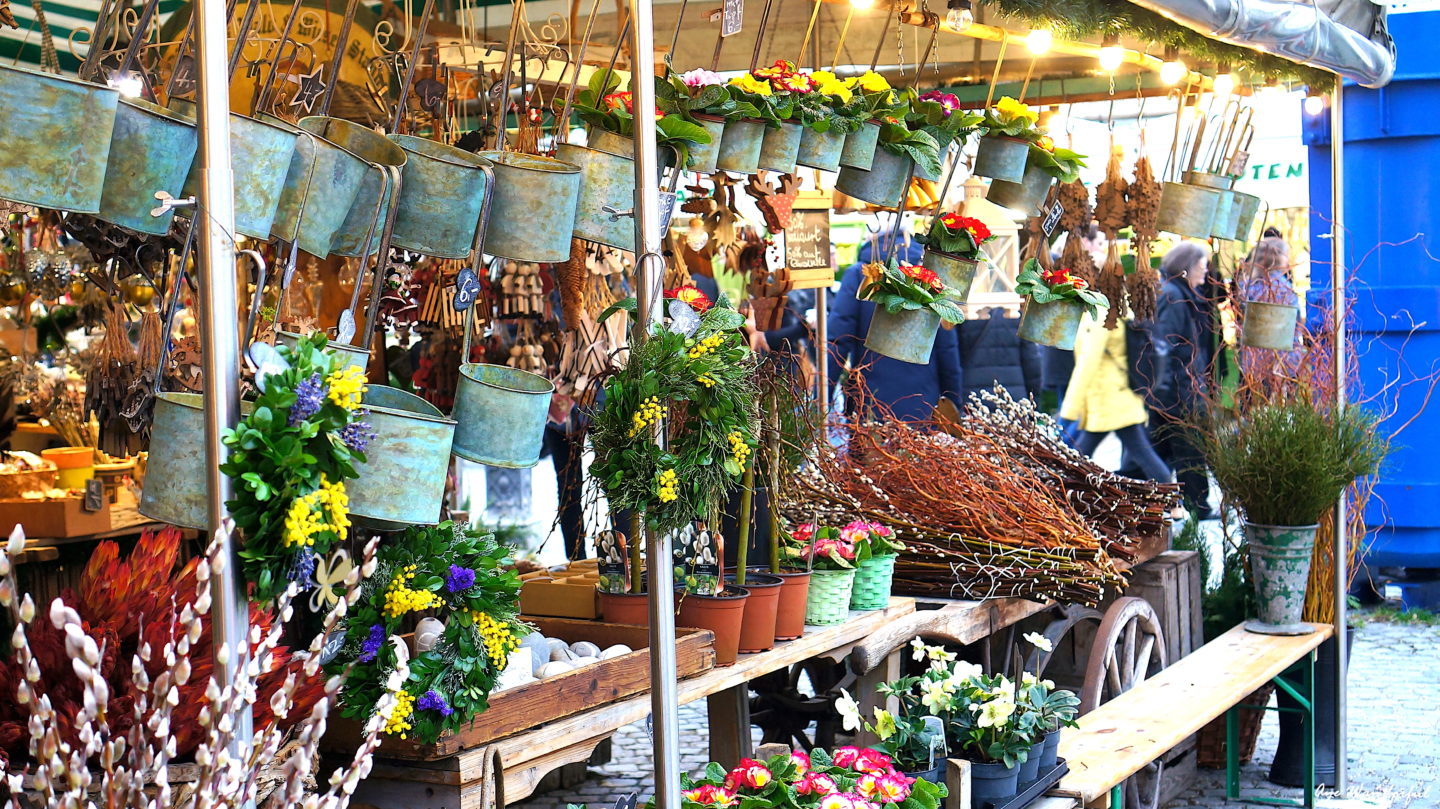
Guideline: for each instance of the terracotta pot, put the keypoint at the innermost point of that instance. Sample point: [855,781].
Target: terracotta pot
[722,614]
[625,608]
[757,632]
[790,609]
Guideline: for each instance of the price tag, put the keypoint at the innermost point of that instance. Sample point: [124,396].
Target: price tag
[610,551]
[334,642]
[667,209]
[1052,218]
[467,289]
[94,495]
[1238,163]
[732,18]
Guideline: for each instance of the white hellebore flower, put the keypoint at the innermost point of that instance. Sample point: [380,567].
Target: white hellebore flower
[995,712]
[936,694]
[917,647]
[1039,641]
[964,670]
[849,710]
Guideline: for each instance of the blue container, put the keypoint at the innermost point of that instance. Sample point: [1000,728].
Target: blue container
[151,149]
[56,136]
[403,477]
[260,153]
[500,414]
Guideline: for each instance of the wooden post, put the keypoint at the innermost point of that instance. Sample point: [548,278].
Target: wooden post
[728,713]
[867,683]
[957,780]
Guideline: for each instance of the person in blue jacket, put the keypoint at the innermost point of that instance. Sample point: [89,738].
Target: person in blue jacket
[910,391]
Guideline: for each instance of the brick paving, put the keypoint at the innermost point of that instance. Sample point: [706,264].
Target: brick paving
[1394,737]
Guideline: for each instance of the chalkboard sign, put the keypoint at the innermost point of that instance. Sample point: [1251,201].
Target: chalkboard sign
[807,240]
[732,17]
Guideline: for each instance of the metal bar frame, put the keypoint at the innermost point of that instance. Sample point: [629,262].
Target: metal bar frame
[1304,694]
[1340,310]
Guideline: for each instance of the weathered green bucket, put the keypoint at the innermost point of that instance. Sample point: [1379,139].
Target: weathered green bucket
[375,198]
[500,413]
[828,602]
[441,193]
[860,145]
[958,273]
[1001,157]
[1248,206]
[151,149]
[174,490]
[607,168]
[703,157]
[871,590]
[1052,324]
[884,184]
[54,139]
[1280,569]
[740,146]
[532,212]
[320,186]
[1269,325]
[403,478]
[1187,210]
[355,356]
[1026,196]
[260,154]
[780,147]
[821,150]
[908,336]
[1223,182]
[1227,216]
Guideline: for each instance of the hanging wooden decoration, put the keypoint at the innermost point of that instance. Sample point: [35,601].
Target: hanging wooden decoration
[776,202]
[1143,206]
[1111,214]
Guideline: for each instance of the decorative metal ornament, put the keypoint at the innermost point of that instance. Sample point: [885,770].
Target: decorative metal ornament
[330,574]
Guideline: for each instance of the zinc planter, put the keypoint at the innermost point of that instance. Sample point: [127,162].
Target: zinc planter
[376,197]
[703,157]
[1025,196]
[859,151]
[1000,157]
[908,336]
[779,148]
[151,149]
[320,185]
[1227,216]
[607,170]
[175,490]
[828,602]
[757,630]
[958,273]
[871,590]
[1269,325]
[740,146]
[1280,567]
[884,184]
[1248,207]
[722,614]
[441,195]
[56,133]
[500,415]
[821,150]
[790,608]
[403,478]
[260,154]
[1052,324]
[1187,210]
[533,210]
[992,783]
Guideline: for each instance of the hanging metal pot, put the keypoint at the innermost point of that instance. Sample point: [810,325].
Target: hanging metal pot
[375,198]
[260,154]
[703,157]
[1025,196]
[607,168]
[1052,324]
[403,478]
[1227,216]
[1222,182]
[1247,208]
[440,198]
[1001,157]
[884,184]
[908,336]
[533,207]
[56,139]
[1269,325]
[860,145]
[320,186]
[740,146]
[956,272]
[1187,210]
[500,414]
[175,473]
[151,149]
[821,150]
[780,147]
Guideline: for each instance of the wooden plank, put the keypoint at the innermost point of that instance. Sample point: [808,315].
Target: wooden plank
[1117,739]
[867,688]
[728,717]
[957,783]
[958,621]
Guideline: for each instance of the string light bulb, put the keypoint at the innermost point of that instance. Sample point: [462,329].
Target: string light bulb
[1111,54]
[862,4]
[1039,40]
[960,15]
[1224,82]
[1172,70]
[1314,105]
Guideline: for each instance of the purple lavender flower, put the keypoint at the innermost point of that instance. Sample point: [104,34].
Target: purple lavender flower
[357,435]
[372,644]
[309,396]
[431,701]
[460,579]
[302,568]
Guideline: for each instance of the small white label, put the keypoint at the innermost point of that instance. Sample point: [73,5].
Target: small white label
[1394,592]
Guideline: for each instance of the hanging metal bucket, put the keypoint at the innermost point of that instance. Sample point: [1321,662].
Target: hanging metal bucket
[1002,158]
[151,149]
[740,146]
[533,208]
[957,273]
[1223,182]
[908,336]
[1051,324]
[1269,325]
[1227,216]
[441,194]
[500,414]
[375,197]
[355,356]
[54,139]
[859,151]
[1025,196]
[1187,210]
[260,154]
[884,184]
[403,477]
[607,168]
[704,156]
[1248,207]
[780,147]
[174,490]
[320,186]
[821,150]
[1280,567]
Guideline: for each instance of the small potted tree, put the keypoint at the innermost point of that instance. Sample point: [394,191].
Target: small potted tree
[953,250]
[1055,302]
[910,301]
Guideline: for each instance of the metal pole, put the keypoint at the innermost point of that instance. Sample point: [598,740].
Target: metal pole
[822,349]
[219,336]
[1342,512]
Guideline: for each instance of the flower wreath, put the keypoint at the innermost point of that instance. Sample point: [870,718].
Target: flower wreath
[698,370]
[289,460]
[455,573]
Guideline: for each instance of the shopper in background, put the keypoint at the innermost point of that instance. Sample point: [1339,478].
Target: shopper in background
[1059,363]
[992,353]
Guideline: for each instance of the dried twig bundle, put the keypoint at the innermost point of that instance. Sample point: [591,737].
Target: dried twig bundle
[1143,284]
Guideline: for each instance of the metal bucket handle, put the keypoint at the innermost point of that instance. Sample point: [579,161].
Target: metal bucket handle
[477,248]
[254,314]
[382,256]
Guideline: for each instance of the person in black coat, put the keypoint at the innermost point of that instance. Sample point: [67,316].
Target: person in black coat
[1184,336]
[991,353]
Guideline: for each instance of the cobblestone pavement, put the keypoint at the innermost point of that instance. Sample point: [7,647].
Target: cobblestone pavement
[1394,737]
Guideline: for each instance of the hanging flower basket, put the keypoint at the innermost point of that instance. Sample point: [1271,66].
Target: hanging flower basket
[740,146]
[703,158]
[779,148]
[859,151]
[1025,196]
[1001,157]
[907,336]
[1052,324]
[1269,325]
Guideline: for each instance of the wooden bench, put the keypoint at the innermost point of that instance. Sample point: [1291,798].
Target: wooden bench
[1122,736]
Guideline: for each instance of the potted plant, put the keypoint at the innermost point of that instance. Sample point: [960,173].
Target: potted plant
[1055,301]
[610,115]
[913,735]
[872,100]
[787,93]
[910,301]
[939,114]
[907,147]
[705,600]
[1010,127]
[751,111]
[1053,708]
[953,249]
[848,778]
[875,552]
[1046,164]
[830,115]
[699,96]
[831,561]
[1283,463]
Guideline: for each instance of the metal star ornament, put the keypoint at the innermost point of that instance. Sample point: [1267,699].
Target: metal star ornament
[312,86]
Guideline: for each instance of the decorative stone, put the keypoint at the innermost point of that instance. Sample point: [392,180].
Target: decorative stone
[585,648]
[615,651]
[555,667]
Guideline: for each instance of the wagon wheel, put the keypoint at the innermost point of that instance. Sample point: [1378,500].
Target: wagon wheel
[1066,618]
[1128,648]
[784,711]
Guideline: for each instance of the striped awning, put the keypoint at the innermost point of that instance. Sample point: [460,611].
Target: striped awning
[65,18]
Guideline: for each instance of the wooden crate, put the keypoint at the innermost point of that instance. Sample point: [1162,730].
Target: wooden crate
[1171,583]
[543,701]
[54,519]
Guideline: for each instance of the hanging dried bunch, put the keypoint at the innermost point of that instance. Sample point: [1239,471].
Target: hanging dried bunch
[1075,220]
[571,277]
[113,368]
[1111,213]
[1144,205]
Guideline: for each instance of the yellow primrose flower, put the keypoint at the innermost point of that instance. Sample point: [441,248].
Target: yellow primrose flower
[872,82]
[836,88]
[1014,110]
[750,84]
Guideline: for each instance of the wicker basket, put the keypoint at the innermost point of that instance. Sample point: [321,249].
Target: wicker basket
[1210,746]
[828,602]
[872,583]
[16,484]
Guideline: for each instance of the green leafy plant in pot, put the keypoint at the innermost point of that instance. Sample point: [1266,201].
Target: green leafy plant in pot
[876,550]
[1055,302]
[910,301]
[953,249]
[603,106]
[831,561]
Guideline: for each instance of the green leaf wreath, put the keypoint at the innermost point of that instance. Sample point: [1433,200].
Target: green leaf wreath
[454,573]
[289,460]
[700,385]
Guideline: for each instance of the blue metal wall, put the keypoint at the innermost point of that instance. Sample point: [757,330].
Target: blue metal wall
[1392,218]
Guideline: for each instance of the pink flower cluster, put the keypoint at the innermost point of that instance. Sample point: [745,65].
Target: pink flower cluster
[822,548]
[749,774]
[879,781]
[859,530]
[710,795]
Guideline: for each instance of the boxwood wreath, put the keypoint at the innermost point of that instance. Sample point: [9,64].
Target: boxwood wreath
[696,376]
[289,460]
[453,573]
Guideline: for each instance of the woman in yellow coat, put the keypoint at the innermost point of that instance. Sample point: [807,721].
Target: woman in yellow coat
[1101,401]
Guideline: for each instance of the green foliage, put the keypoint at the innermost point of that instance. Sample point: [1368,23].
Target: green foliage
[1062,164]
[1049,286]
[957,235]
[1230,599]
[907,287]
[601,106]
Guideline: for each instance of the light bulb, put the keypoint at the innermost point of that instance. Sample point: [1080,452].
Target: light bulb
[960,15]
[1039,40]
[1314,105]
[1224,83]
[862,4]
[129,86]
